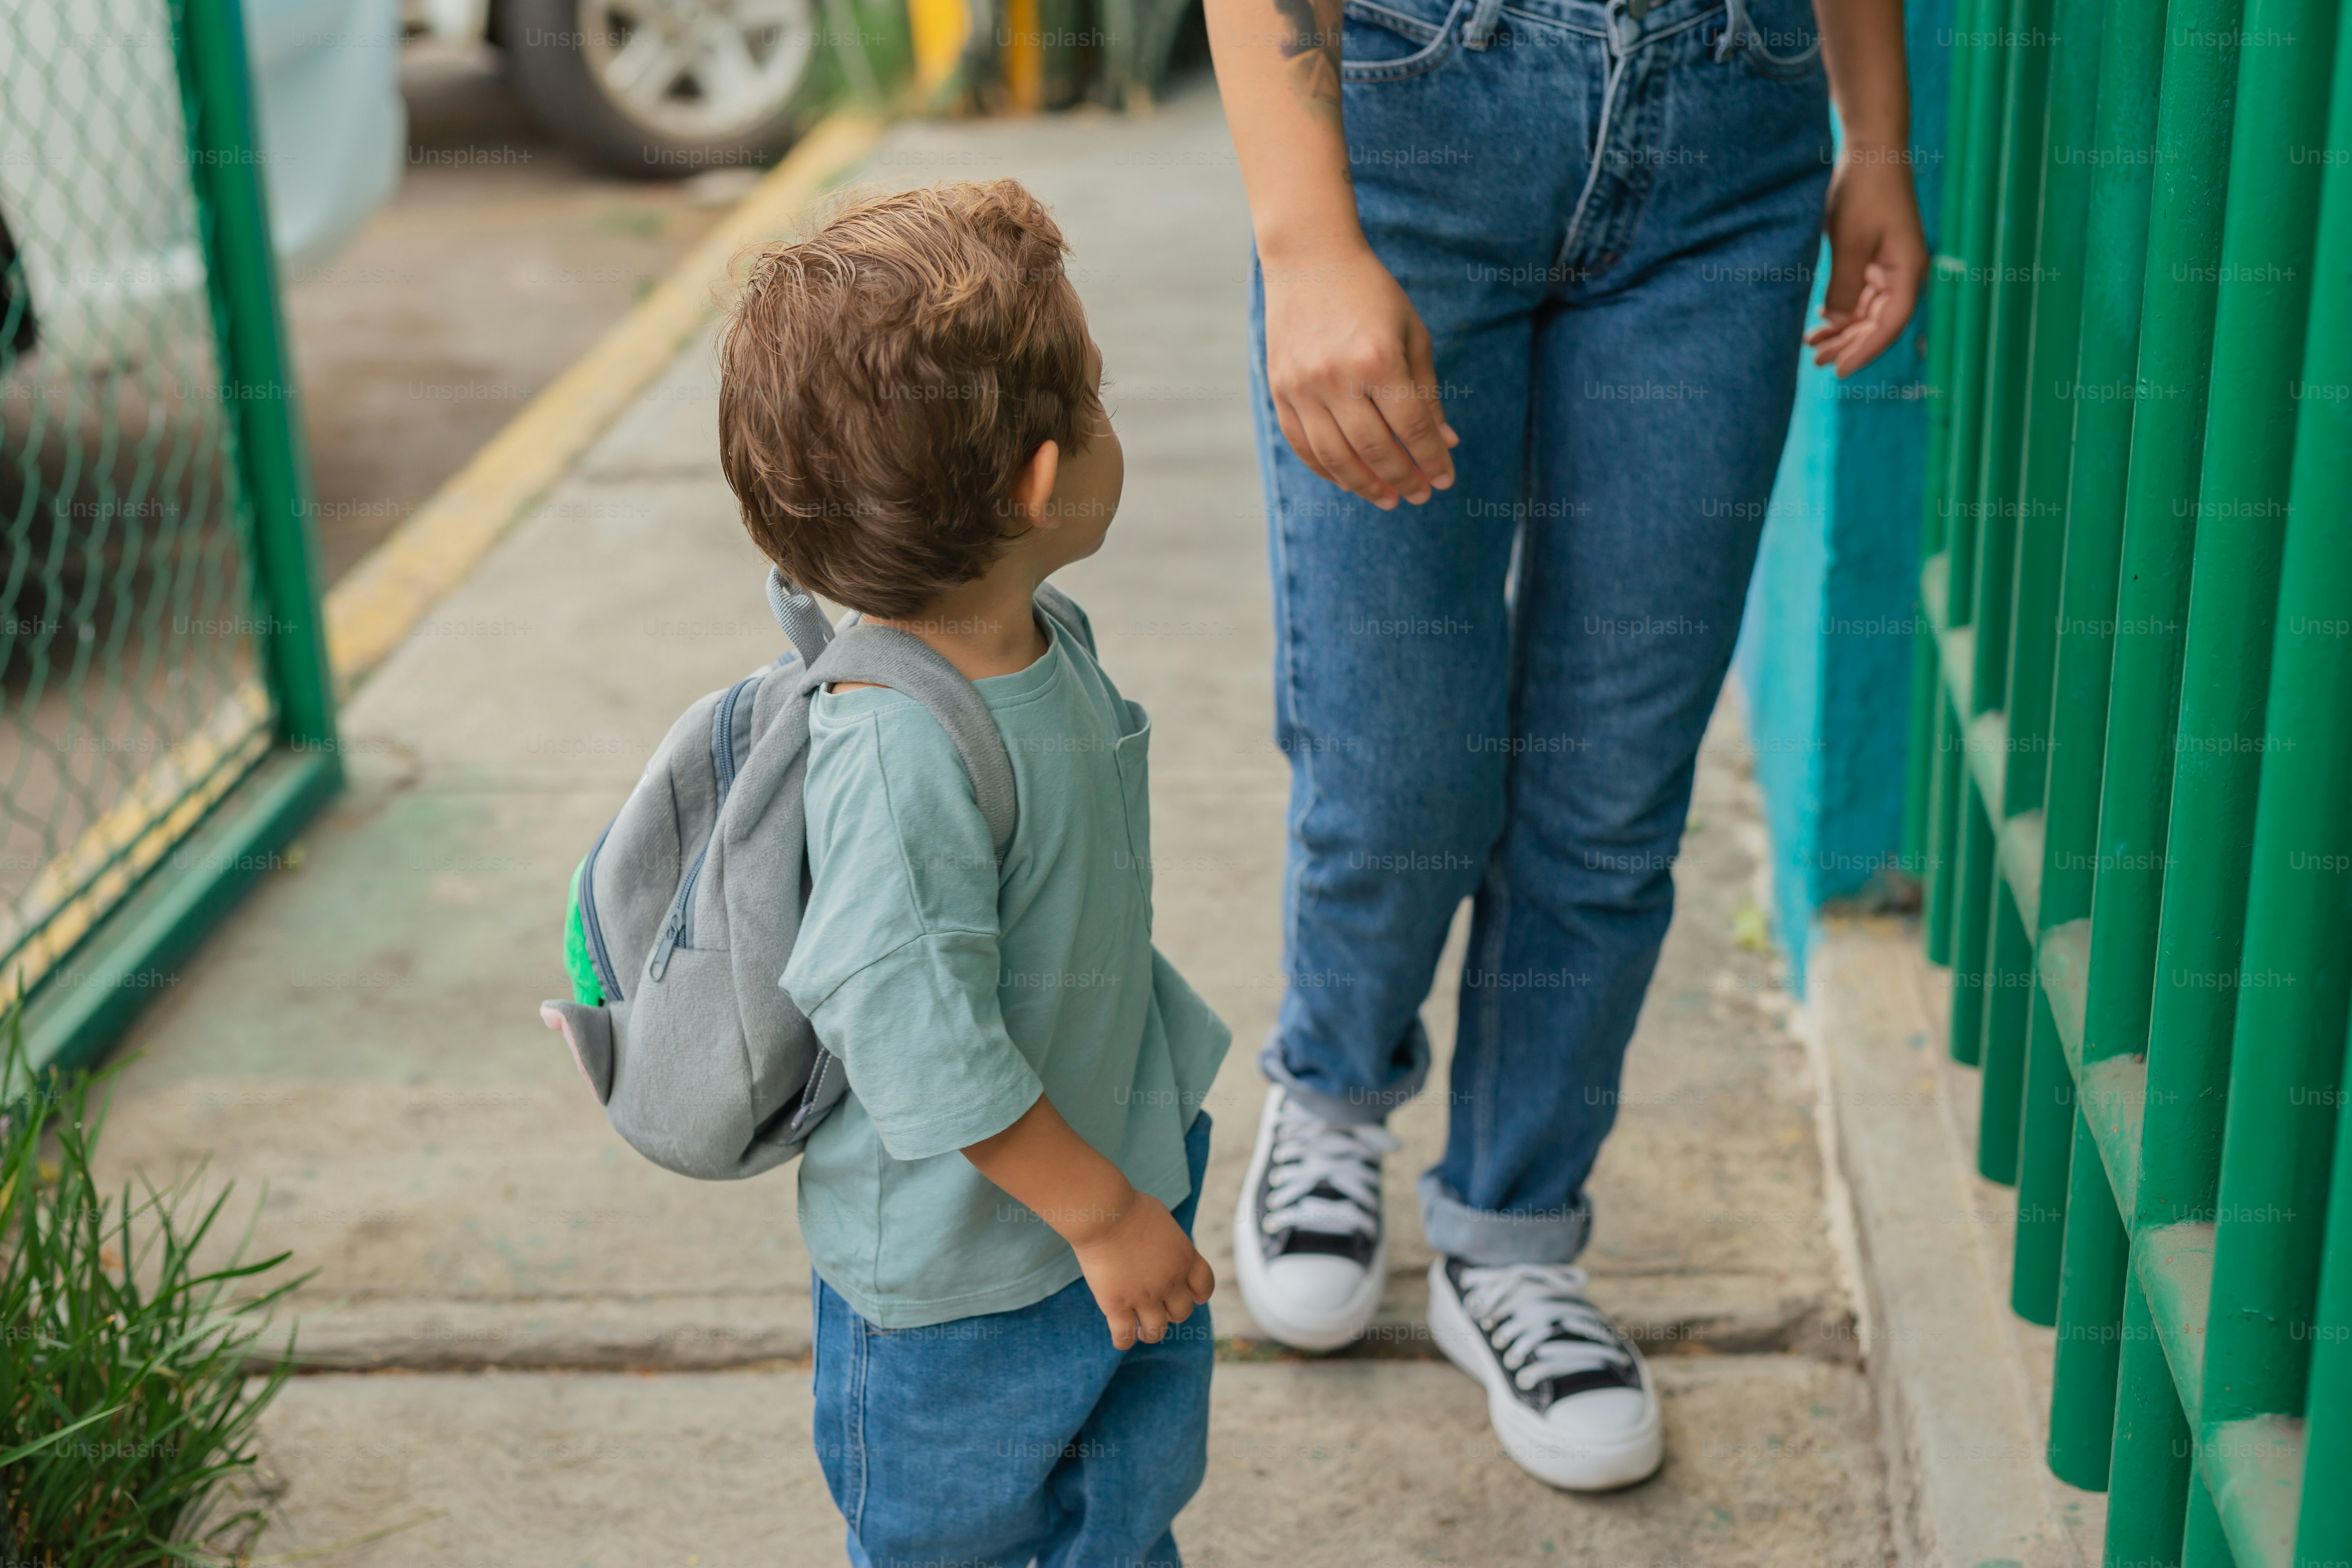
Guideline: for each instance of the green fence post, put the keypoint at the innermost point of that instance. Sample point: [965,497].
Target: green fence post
[2314,593]
[2005,118]
[2277,879]
[2115,259]
[1978,137]
[2275,1157]
[2176,335]
[2045,1137]
[2090,1321]
[256,372]
[1989,996]
[2005,984]
[2009,319]
[1947,772]
[1924,696]
[2045,1148]
[2147,1490]
[2323,1532]
[2203,1544]
[1972,852]
[2276,874]
[2090,1300]
[1973,146]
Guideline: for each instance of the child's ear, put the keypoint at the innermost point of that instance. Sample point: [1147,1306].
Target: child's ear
[1032,485]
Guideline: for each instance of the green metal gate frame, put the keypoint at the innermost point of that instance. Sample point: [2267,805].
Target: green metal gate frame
[175,878]
[2132,746]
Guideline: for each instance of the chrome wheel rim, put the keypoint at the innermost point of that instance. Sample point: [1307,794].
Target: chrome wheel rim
[697,70]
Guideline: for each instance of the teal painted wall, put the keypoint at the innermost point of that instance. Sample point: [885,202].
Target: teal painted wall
[1825,650]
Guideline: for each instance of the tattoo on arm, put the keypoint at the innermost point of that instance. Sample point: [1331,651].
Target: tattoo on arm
[1310,52]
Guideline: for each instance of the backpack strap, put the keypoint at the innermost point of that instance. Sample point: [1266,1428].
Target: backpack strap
[1064,610]
[801,616]
[884,655]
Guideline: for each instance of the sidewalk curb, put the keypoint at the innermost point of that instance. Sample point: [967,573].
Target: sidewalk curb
[714,1331]
[1967,1482]
[376,603]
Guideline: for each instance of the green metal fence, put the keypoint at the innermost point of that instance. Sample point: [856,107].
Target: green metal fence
[2132,753]
[165,716]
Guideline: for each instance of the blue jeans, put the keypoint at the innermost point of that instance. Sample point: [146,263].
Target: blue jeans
[1501,694]
[1014,1438]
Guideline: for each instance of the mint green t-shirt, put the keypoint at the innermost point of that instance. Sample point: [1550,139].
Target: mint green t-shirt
[954,994]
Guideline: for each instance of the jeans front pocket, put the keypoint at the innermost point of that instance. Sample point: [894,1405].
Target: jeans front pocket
[1133,754]
[1781,41]
[1378,43]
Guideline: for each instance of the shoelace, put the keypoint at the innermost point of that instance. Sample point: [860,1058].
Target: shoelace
[1530,1311]
[1310,1152]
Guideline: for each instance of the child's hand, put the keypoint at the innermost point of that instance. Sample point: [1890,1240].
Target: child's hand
[1145,1272]
[1144,1269]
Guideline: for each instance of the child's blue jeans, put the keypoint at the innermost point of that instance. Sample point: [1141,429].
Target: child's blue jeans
[1014,1438]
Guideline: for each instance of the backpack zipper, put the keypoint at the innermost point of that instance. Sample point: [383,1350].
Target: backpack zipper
[678,930]
[595,929]
[722,736]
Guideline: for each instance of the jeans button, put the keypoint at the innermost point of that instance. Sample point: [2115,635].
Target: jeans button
[1629,32]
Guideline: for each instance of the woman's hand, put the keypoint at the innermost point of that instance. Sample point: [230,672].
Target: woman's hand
[1354,384]
[1878,257]
[1347,357]
[1145,1272]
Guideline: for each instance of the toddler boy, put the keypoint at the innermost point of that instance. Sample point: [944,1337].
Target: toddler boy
[1009,1362]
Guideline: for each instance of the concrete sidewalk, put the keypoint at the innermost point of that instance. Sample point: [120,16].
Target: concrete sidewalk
[532,1347]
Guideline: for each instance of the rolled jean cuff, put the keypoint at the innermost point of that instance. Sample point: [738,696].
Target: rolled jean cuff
[1352,1107]
[1484,1236]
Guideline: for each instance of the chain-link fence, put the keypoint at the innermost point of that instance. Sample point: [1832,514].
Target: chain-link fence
[144,415]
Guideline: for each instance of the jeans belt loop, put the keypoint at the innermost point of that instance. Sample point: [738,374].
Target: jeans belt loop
[1626,24]
[1735,26]
[1480,29]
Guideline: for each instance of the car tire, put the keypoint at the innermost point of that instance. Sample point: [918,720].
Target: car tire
[19,331]
[562,55]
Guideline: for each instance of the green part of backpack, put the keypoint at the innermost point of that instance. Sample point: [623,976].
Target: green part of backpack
[586,989]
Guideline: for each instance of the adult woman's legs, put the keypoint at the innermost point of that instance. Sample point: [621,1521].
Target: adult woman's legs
[1663,375]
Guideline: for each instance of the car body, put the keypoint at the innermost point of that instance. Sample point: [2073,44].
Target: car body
[658,88]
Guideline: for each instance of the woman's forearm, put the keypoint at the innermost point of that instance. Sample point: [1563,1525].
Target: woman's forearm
[1349,363]
[1278,71]
[1862,49]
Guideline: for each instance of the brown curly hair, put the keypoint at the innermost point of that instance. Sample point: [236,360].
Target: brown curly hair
[881,380]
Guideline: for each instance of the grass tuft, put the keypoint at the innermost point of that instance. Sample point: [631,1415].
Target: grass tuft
[125,1407]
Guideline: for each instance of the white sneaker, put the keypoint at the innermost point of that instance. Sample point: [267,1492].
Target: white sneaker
[1570,1396]
[1308,1243]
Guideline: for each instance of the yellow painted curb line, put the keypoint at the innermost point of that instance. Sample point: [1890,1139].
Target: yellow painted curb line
[76,889]
[389,591]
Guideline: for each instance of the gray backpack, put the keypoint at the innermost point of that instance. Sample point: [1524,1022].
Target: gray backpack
[692,900]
